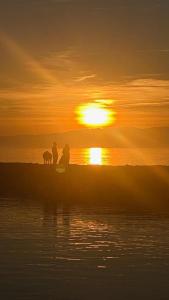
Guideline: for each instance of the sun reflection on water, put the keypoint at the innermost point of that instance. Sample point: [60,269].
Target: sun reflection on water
[95,156]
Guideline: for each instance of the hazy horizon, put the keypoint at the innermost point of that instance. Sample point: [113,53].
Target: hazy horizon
[113,128]
[83,138]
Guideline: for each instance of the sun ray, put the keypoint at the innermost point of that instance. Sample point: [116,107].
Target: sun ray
[35,66]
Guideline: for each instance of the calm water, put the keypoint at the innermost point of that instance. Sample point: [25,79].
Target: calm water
[71,253]
[90,156]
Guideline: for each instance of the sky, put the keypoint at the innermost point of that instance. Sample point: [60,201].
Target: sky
[57,54]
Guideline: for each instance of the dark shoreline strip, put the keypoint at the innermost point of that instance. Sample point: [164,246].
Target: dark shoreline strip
[129,187]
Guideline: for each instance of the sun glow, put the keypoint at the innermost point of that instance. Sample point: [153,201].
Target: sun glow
[95,115]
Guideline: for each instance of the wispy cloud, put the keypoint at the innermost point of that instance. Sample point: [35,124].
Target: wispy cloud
[86,77]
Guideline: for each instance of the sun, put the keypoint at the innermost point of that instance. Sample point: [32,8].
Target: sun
[95,115]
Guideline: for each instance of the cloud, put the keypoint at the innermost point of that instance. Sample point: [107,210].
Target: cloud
[86,77]
[137,92]
[146,83]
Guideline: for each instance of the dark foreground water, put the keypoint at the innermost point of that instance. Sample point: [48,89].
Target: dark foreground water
[49,252]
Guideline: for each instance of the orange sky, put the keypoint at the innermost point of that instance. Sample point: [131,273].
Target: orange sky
[48,70]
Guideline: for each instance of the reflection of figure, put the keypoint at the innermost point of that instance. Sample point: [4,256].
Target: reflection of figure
[50,215]
[66,217]
[57,218]
[54,153]
[64,161]
[47,156]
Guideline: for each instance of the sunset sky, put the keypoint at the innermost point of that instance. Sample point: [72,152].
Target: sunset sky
[58,54]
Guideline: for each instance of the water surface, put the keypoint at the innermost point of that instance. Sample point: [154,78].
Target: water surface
[56,252]
[92,156]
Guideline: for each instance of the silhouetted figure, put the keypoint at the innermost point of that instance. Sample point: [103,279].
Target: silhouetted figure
[64,161]
[54,153]
[47,156]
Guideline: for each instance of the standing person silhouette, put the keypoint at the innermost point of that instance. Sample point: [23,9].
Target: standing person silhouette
[66,153]
[65,156]
[54,154]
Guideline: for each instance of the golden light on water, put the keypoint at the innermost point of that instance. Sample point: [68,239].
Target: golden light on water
[95,156]
[95,115]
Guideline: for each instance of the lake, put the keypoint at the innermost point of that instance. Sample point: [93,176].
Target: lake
[78,253]
[90,156]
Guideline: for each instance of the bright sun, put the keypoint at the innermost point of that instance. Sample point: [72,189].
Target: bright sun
[95,115]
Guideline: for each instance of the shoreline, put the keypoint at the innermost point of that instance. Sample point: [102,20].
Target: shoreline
[122,187]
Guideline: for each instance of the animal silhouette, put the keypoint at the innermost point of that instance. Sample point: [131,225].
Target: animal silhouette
[54,153]
[47,157]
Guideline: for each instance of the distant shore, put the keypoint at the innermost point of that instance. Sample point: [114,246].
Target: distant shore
[126,187]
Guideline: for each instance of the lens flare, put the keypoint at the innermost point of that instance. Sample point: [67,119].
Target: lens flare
[95,115]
